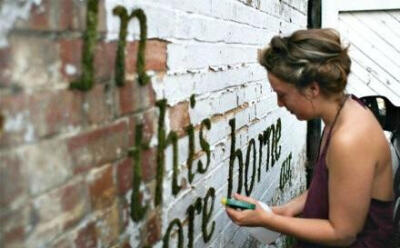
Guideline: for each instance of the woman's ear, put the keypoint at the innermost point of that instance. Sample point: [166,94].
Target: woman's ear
[313,90]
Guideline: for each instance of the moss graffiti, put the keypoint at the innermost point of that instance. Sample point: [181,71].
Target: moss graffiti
[137,210]
[200,206]
[122,13]
[268,140]
[89,44]
[286,172]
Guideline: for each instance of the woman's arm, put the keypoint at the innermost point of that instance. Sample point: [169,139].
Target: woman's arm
[351,169]
[293,207]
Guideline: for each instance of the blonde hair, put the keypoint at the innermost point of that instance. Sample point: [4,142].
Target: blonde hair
[306,56]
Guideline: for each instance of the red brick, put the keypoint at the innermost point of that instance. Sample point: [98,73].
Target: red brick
[98,110]
[70,196]
[104,60]
[149,164]
[108,226]
[179,116]
[134,98]
[66,205]
[125,244]
[102,187]
[59,15]
[153,227]
[61,108]
[124,175]
[99,146]
[72,15]
[14,224]
[13,179]
[149,120]
[40,16]
[155,55]
[43,114]
[86,236]
[66,14]
[71,55]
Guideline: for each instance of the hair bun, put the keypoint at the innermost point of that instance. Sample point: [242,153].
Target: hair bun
[306,56]
[279,44]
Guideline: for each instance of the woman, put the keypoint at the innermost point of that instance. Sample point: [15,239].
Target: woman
[350,199]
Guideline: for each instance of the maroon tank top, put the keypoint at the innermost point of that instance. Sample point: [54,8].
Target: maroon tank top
[378,229]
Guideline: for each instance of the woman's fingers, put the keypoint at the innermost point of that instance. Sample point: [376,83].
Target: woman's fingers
[244,198]
[233,214]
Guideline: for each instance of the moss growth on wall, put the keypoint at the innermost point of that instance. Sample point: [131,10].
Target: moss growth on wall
[286,172]
[89,45]
[162,105]
[205,146]
[207,213]
[173,139]
[122,13]
[190,132]
[277,138]
[192,101]
[270,138]
[233,155]
[252,146]
[191,211]
[137,210]
[175,222]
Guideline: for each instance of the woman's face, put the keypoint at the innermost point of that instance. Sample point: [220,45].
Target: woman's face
[291,98]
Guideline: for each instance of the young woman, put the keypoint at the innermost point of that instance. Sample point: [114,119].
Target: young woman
[350,200]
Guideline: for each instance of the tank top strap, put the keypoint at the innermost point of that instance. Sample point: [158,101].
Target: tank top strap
[328,138]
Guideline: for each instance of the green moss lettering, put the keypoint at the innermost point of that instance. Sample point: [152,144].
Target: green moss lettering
[190,132]
[207,213]
[137,210]
[277,137]
[286,172]
[261,142]
[89,44]
[191,211]
[175,222]
[192,101]
[162,144]
[205,146]
[173,139]
[122,13]
[252,146]
[233,155]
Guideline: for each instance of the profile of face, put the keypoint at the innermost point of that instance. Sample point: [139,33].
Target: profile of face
[295,101]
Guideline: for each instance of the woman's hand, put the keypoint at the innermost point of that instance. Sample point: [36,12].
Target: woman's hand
[256,217]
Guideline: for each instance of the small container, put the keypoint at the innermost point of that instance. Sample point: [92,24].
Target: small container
[263,234]
[237,204]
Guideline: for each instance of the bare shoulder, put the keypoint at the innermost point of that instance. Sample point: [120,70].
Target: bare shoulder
[359,136]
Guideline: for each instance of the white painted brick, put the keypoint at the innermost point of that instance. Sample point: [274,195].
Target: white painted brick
[195,55]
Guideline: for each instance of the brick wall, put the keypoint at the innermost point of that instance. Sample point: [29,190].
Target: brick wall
[127,165]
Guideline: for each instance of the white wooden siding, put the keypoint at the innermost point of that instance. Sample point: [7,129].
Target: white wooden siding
[374,38]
